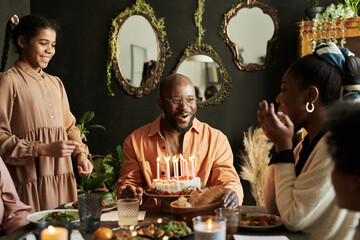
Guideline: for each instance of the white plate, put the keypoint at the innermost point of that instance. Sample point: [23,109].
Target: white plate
[35,217]
[109,208]
[261,228]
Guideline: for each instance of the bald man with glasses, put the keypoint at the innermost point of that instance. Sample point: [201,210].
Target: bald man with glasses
[175,132]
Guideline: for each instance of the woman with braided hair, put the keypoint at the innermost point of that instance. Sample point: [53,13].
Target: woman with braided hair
[37,129]
[298,186]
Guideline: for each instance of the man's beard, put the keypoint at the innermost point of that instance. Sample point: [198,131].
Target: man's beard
[177,127]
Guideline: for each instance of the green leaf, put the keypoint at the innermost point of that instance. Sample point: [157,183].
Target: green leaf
[107,196]
[97,182]
[120,153]
[84,182]
[98,126]
[86,117]
[98,164]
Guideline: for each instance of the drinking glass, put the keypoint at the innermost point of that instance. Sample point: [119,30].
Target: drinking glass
[209,227]
[90,206]
[128,210]
[232,216]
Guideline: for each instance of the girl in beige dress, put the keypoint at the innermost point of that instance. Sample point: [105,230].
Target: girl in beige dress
[37,130]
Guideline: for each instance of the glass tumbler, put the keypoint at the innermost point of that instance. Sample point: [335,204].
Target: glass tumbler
[232,216]
[128,210]
[90,206]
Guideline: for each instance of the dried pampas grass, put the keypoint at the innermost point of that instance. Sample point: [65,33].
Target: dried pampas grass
[255,161]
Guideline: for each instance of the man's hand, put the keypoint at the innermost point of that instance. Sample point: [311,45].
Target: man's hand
[132,192]
[231,199]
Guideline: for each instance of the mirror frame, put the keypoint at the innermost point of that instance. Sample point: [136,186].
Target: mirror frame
[251,67]
[142,9]
[205,49]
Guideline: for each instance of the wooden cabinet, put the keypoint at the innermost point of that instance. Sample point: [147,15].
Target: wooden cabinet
[351,33]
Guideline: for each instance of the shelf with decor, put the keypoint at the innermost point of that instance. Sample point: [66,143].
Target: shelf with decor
[348,29]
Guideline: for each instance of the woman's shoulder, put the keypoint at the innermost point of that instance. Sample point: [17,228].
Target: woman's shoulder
[52,76]
[54,79]
[9,76]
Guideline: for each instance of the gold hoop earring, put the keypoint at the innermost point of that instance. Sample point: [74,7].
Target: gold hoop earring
[312,107]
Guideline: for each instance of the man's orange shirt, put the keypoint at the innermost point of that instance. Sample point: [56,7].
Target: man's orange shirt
[213,161]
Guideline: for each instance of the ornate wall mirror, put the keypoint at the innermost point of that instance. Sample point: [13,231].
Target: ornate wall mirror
[251,30]
[204,67]
[137,50]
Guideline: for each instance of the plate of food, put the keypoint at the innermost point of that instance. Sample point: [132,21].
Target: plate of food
[172,229]
[67,215]
[106,205]
[259,221]
[185,208]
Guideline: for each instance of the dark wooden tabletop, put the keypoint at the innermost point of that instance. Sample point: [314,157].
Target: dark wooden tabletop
[153,212]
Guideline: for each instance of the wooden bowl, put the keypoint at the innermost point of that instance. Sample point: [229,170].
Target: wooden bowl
[187,213]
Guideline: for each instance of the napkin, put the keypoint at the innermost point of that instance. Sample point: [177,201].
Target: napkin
[113,216]
[245,237]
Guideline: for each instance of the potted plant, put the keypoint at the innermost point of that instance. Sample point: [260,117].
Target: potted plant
[353,5]
[312,8]
[330,25]
[103,179]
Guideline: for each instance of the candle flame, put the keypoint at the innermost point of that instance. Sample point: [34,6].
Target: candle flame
[191,158]
[167,159]
[158,159]
[175,159]
[51,229]
[209,224]
[182,158]
[159,220]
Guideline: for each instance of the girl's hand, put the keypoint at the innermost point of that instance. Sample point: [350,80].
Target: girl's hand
[58,149]
[276,126]
[85,166]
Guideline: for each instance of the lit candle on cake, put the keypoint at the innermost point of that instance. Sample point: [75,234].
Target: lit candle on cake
[174,165]
[54,233]
[192,166]
[187,170]
[158,167]
[176,168]
[182,163]
[167,159]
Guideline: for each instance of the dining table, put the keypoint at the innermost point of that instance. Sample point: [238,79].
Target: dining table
[154,212]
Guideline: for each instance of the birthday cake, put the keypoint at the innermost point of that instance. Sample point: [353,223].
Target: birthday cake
[173,186]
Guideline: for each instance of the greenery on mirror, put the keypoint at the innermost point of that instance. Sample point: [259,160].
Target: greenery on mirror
[327,24]
[200,48]
[206,49]
[140,8]
[198,19]
[103,179]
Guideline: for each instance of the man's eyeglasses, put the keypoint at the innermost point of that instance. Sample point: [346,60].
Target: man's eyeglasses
[178,101]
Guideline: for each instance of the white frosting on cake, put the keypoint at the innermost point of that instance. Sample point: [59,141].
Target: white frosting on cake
[173,185]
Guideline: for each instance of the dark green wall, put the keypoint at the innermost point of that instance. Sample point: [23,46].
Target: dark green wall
[7,9]
[81,59]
